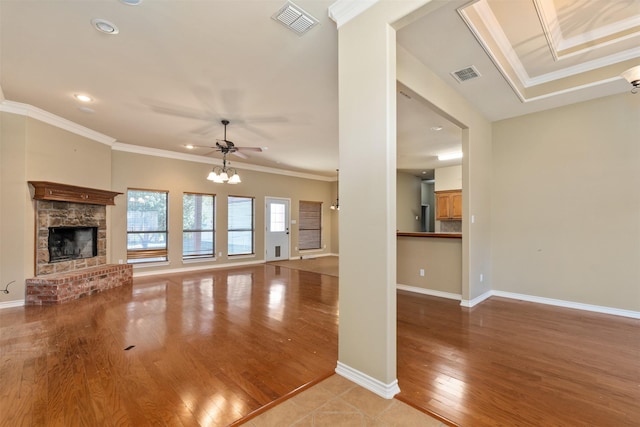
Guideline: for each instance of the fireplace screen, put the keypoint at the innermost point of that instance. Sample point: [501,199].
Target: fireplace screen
[67,243]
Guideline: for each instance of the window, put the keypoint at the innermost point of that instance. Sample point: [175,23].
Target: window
[310,231]
[146,225]
[277,217]
[240,226]
[198,235]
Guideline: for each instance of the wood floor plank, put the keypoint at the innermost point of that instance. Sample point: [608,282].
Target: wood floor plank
[515,363]
[211,347]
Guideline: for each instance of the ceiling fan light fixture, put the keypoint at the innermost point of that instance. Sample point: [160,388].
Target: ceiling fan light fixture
[632,75]
[235,179]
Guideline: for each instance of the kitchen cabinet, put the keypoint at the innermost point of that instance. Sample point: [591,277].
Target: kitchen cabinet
[449,205]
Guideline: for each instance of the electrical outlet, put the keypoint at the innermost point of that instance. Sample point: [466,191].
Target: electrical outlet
[422,272]
[220,254]
[481,278]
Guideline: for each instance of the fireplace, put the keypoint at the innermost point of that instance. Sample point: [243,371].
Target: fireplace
[71,227]
[71,244]
[67,243]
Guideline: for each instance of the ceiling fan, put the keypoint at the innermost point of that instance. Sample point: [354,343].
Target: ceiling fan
[225,146]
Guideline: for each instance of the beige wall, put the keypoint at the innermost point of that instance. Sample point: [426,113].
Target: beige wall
[408,196]
[132,170]
[440,258]
[16,228]
[476,170]
[32,150]
[449,178]
[566,203]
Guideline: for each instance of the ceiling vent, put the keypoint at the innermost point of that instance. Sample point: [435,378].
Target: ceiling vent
[295,18]
[466,74]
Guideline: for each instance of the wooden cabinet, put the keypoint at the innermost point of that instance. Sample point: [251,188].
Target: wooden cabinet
[449,205]
[45,190]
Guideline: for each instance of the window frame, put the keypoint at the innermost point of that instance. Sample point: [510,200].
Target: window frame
[302,224]
[252,229]
[135,256]
[199,230]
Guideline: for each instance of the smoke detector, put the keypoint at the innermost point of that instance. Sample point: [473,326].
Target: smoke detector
[466,74]
[295,18]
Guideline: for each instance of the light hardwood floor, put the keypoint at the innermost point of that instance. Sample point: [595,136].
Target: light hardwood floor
[210,348]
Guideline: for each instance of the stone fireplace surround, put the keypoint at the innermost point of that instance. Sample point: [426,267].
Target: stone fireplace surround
[61,205]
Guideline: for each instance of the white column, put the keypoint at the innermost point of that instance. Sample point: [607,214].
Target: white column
[367,130]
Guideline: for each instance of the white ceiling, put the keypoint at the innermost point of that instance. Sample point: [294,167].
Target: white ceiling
[178,67]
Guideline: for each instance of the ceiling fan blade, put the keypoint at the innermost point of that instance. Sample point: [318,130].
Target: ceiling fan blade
[239,154]
[249,149]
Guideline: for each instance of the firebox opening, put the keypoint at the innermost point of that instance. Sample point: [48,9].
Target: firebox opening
[68,243]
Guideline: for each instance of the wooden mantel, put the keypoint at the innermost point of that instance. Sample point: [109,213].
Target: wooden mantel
[45,190]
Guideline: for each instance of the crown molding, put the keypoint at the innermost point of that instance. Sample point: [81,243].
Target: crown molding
[343,11]
[57,121]
[148,151]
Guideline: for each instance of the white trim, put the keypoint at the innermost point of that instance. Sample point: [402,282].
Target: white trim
[549,19]
[57,121]
[306,256]
[148,151]
[477,300]
[386,391]
[568,304]
[198,268]
[343,11]
[430,292]
[11,304]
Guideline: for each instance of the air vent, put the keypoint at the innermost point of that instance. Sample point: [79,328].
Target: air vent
[295,18]
[466,74]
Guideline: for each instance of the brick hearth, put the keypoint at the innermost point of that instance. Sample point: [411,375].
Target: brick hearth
[59,288]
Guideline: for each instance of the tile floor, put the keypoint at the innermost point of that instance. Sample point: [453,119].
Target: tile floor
[337,401]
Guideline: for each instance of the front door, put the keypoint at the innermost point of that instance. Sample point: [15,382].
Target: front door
[277,236]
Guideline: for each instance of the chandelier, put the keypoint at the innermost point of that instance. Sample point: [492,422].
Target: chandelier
[224,174]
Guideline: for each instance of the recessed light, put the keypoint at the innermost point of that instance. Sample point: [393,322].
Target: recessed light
[189,146]
[450,156]
[436,128]
[104,26]
[131,2]
[82,98]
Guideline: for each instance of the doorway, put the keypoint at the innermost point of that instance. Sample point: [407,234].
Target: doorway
[277,237]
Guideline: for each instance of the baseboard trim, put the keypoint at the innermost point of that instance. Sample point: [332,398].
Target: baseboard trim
[386,391]
[430,292]
[198,268]
[310,255]
[568,304]
[477,300]
[11,304]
